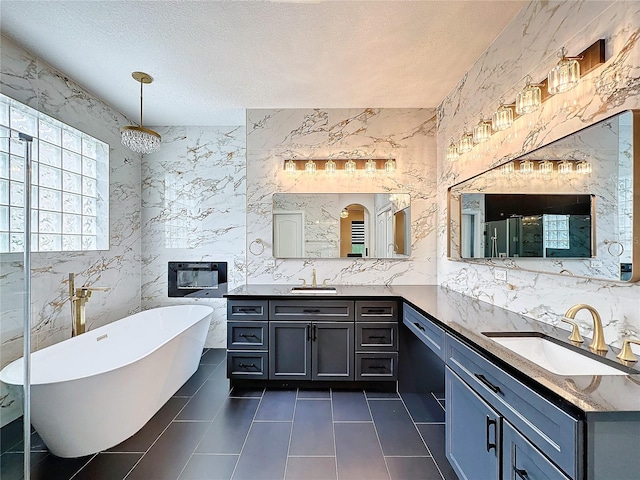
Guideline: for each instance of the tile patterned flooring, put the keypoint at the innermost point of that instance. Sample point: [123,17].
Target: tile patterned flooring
[207,432]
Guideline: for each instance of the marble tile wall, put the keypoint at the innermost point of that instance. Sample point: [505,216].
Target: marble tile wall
[528,45]
[28,80]
[193,209]
[274,136]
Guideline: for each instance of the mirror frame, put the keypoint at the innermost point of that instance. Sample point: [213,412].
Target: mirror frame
[454,239]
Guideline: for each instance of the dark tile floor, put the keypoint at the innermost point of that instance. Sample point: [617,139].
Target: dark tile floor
[207,432]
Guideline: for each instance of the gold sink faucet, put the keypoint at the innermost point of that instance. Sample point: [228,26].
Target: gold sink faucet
[79,297]
[597,342]
[314,283]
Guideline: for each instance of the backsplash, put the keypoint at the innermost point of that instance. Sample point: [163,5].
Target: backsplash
[30,81]
[528,45]
[408,135]
[193,209]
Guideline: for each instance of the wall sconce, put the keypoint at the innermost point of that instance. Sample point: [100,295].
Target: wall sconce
[482,131]
[584,168]
[310,167]
[526,167]
[529,98]
[333,166]
[502,118]
[507,168]
[466,142]
[452,152]
[565,75]
[390,166]
[565,167]
[545,167]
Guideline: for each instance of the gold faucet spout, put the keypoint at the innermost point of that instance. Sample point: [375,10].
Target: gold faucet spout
[598,343]
[78,298]
[314,283]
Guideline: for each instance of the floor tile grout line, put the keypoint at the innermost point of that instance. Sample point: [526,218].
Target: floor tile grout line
[423,440]
[80,469]
[375,429]
[235,467]
[286,461]
[333,429]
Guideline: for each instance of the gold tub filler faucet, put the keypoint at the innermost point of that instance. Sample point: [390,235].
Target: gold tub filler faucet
[78,298]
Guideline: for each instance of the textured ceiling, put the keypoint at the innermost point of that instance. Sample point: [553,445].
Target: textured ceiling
[212,59]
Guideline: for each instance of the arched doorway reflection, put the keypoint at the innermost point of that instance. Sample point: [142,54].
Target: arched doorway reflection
[354,237]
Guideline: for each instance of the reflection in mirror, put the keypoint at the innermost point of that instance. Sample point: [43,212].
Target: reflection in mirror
[341,225]
[567,207]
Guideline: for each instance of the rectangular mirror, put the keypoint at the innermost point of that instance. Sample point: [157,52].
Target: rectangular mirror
[567,207]
[341,225]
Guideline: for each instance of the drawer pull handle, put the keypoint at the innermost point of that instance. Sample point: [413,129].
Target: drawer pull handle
[315,332]
[521,473]
[307,330]
[247,335]
[247,365]
[377,367]
[247,310]
[487,383]
[375,310]
[420,327]
[490,422]
[310,310]
[379,337]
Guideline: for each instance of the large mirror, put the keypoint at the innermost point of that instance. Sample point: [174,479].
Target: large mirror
[341,225]
[566,208]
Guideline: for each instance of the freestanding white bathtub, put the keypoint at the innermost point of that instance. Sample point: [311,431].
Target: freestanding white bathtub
[93,391]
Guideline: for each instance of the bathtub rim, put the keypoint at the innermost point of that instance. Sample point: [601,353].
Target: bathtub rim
[14,368]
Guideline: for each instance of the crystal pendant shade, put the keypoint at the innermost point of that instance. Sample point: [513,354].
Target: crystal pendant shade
[466,143]
[481,132]
[290,167]
[330,167]
[390,166]
[565,167]
[584,168]
[370,167]
[350,167]
[529,98]
[502,118]
[526,167]
[137,138]
[452,152]
[565,75]
[507,168]
[310,167]
[545,167]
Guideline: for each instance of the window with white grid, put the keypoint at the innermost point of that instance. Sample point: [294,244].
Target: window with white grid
[556,231]
[69,183]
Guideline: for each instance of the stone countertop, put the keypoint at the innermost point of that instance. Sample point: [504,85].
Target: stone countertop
[468,318]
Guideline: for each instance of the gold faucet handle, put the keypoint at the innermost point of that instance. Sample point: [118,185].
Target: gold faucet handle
[97,289]
[304,282]
[626,354]
[324,282]
[575,331]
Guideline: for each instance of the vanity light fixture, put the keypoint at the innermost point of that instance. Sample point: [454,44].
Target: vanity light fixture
[370,167]
[482,131]
[584,168]
[466,142]
[545,167]
[290,167]
[136,137]
[310,167]
[565,75]
[452,152]
[350,167]
[526,167]
[390,166]
[502,118]
[330,167]
[528,99]
[565,167]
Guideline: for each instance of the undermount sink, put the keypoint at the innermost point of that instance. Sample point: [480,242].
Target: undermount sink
[318,290]
[554,357]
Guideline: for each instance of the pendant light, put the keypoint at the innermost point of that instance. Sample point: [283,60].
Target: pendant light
[370,167]
[466,142]
[310,167]
[330,167]
[390,166]
[290,167]
[565,75]
[452,152]
[502,118]
[137,138]
[482,131]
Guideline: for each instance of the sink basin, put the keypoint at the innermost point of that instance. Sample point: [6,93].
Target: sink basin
[553,357]
[312,290]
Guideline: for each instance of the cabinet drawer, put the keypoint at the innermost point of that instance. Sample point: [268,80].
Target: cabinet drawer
[246,364]
[247,310]
[377,336]
[521,460]
[552,430]
[429,333]
[248,335]
[376,366]
[371,311]
[325,310]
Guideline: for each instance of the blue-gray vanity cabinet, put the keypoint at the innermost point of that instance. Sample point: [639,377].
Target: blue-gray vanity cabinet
[552,431]
[472,432]
[376,340]
[311,350]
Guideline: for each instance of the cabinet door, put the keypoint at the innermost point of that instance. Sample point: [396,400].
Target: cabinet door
[472,432]
[522,461]
[289,350]
[332,351]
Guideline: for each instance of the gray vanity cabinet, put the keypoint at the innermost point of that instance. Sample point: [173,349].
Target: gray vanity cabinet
[376,340]
[290,352]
